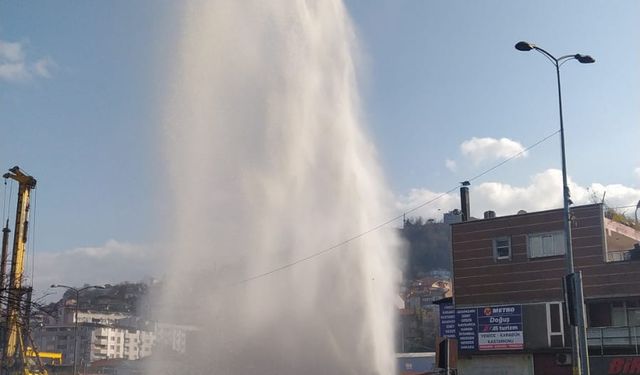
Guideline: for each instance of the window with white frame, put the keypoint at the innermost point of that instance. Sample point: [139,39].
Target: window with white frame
[555,325]
[545,244]
[502,248]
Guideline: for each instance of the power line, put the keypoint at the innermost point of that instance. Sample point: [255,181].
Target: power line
[375,228]
[619,207]
[34,216]
[4,201]
[351,239]
[516,155]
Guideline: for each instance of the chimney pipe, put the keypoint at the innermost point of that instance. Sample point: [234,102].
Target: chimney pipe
[489,214]
[464,201]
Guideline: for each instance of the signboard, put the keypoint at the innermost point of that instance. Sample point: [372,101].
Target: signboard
[500,328]
[426,302]
[415,363]
[624,366]
[447,321]
[467,328]
[615,365]
[483,328]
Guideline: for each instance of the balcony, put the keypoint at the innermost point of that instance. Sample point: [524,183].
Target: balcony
[622,241]
[606,339]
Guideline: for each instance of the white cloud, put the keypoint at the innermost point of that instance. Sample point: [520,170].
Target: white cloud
[116,261]
[13,72]
[489,149]
[110,263]
[451,165]
[11,51]
[14,66]
[617,195]
[544,191]
[441,203]
[43,67]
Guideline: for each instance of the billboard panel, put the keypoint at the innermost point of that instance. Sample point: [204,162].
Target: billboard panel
[483,328]
[500,328]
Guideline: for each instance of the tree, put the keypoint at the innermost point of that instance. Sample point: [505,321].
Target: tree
[428,246]
[614,213]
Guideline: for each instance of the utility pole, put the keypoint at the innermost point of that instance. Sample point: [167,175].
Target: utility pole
[579,345]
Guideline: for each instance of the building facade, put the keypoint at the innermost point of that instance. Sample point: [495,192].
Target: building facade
[509,313]
[109,335]
[174,337]
[95,342]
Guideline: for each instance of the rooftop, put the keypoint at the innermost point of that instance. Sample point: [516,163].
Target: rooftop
[620,237]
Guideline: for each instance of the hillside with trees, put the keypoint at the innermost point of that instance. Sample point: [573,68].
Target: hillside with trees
[428,247]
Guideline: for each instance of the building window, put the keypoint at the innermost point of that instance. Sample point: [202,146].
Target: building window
[502,248]
[546,244]
[615,313]
[555,326]
[619,314]
[634,317]
[599,314]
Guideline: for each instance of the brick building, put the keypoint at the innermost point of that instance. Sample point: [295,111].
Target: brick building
[509,299]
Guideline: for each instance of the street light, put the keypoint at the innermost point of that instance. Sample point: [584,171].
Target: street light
[578,340]
[75,316]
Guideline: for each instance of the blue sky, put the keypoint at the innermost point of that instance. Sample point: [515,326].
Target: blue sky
[79,105]
[441,72]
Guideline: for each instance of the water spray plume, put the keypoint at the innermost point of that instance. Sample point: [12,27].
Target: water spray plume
[269,164]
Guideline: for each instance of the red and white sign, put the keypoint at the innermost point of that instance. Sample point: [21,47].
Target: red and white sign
[624,366]
[500,328]
[500,340]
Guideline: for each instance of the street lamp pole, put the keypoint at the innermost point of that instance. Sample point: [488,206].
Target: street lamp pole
[75,317]
[579,344]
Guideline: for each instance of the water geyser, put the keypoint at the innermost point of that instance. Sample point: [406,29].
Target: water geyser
[269,165]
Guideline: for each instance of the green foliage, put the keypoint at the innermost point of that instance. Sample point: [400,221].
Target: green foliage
[617,216]
[124,297]
[429,247]
[613,213]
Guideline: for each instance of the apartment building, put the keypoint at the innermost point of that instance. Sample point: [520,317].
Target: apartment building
[508,313]
[118,342]
[95,342]
[174,337]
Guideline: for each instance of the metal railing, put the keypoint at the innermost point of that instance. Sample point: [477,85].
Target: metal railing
[608,337]
[620,256]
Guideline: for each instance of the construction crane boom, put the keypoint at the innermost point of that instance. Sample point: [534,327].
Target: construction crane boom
[14,355]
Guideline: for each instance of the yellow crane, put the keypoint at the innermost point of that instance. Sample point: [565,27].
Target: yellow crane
[17,357]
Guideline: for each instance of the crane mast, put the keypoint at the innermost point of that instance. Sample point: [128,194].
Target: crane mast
[14,357]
